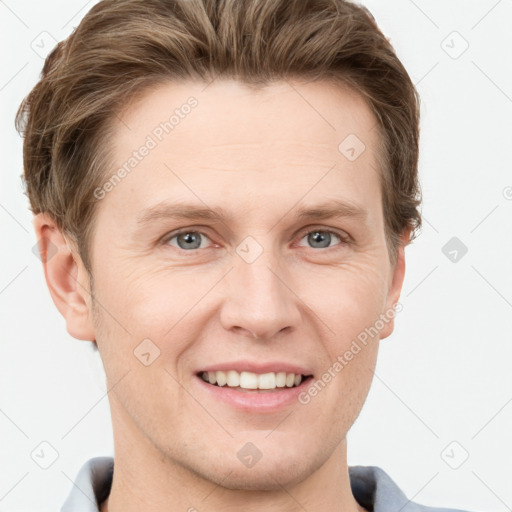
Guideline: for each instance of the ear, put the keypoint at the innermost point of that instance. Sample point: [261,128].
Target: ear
[395,287]
[66,277]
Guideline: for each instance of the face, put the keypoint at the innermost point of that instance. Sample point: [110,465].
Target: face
[259,281]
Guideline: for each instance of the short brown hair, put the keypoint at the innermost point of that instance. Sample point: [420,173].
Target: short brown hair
[122,47]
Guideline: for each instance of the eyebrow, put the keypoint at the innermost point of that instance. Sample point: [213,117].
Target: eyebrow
[333,208]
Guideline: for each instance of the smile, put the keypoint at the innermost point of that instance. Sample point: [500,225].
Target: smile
[253,381]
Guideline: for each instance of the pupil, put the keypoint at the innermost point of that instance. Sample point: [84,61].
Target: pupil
[318,237]
[189,238]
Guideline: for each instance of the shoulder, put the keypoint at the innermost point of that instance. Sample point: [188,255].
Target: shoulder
[91,485]
[371,486]
[376,491]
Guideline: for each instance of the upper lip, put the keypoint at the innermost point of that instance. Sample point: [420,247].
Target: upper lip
[255,367]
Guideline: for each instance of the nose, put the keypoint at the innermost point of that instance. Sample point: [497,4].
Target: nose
[260,301]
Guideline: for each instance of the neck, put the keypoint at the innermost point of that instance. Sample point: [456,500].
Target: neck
[146,480]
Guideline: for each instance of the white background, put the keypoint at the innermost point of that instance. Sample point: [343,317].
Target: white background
[445,373]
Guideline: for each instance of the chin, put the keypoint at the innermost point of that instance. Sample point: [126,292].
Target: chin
[270,473]
[272,476]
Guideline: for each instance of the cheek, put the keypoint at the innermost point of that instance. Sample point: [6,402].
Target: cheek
[142,305]
[347,299]
[142,336]
[348,302]
[350,306]
[155,302]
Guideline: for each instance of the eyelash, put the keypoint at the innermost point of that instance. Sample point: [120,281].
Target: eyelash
[343,236]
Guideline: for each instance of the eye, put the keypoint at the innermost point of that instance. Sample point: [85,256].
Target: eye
[322,238]
[187,240]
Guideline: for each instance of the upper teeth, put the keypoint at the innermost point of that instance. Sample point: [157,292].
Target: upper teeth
[249,380]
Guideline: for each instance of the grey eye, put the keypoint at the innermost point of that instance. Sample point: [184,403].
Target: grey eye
[320,239]
[188,240]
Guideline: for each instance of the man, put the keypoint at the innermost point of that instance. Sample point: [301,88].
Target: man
[228,188]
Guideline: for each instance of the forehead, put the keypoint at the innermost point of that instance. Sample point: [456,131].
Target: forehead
[316,112]
[232,143]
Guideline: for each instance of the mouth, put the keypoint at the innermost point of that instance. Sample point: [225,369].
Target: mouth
[253,382]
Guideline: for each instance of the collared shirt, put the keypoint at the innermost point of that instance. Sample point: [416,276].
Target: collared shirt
[371,486]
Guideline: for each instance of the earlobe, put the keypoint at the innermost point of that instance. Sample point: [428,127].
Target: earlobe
[66,277]
[395,288]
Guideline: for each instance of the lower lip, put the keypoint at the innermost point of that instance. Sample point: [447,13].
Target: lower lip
[253,400]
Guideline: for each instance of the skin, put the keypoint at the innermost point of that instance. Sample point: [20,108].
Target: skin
[260,155]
